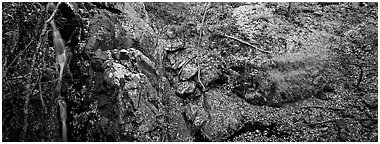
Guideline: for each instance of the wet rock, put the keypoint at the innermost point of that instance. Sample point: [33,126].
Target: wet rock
[103,34]
[185,87]
[146,118]
[137,101]
[115,72]
[149,71]
[140,92]
[188,71]
[144,64]
[139,29]
[139,55]
[131,108]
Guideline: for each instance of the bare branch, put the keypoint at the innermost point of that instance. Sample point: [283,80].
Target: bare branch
[19,55]
[321,107]
[244,42]
[29,80]
[41,99]
[199,42]
[339,119]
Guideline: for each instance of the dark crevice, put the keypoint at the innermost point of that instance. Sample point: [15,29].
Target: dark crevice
[199,137]
[102,5]
[239,69]
[252,127]
[195,131]
[223,79]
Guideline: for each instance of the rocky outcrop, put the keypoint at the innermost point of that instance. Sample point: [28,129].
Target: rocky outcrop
[135,83]
[135,98]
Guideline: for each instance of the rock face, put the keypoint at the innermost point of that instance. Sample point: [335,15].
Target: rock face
[225,115]
[134,98]
[133,82]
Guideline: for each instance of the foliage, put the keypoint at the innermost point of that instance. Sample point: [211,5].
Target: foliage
[22,25]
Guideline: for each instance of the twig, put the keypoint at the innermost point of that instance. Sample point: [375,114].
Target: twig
[146,13]
[321,107]
[40,90]
[247,43]
[203,18]
[334,120]
[322,122]
[187,61]
[53,14]
[139,100]
[26,109]
[50,81]
[15,78]
[29,80]
[18,56]
[199,42]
